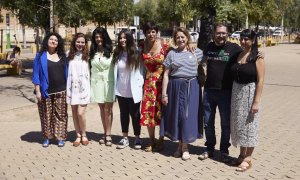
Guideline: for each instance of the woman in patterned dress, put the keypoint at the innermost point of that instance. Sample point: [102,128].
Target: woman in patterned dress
[78,86]
[248,73]
[50,72]
[102,79]
[153,55]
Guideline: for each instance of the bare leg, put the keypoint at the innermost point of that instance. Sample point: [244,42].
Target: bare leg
[108,117]
[102,114]
[76,120]
[82,120]
[151,132]
[246,164]
[150,147]
[249,152]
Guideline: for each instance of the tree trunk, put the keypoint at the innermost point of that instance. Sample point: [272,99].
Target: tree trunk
[24,37]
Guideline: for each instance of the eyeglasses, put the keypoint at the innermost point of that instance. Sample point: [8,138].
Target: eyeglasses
[221,33]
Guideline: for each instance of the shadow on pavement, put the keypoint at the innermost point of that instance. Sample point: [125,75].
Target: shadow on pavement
[32,137]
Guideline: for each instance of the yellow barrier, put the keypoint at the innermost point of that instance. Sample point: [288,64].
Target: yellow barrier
[10,70]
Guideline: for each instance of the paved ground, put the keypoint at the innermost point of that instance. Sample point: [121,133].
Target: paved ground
[276,157]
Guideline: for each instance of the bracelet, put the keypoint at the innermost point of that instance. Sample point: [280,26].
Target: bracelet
[164,96]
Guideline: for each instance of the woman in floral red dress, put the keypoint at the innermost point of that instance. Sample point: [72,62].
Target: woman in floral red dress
[153,55]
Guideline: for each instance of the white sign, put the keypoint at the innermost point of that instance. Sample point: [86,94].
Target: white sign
[136,20]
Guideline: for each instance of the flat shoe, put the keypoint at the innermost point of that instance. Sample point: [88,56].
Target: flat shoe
[61,143]
[244,166]
[108,142]
[185,156]
[102,140]
[46,143]
[149,147]
[84,142]
[238,161]
[205,155]
[76,143]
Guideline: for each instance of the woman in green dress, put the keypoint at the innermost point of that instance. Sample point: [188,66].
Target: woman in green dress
[102,79]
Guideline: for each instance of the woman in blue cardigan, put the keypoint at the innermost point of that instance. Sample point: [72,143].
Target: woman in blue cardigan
[50,70]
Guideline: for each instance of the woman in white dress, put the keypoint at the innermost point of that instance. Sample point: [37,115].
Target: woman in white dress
[78,86]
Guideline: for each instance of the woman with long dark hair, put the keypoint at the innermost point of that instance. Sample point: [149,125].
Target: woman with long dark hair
[102,79]
[78,86]
[129,82]
[248,73]
[50,71]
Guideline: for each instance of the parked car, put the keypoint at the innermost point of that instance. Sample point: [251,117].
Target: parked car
[236,34]
[278,33]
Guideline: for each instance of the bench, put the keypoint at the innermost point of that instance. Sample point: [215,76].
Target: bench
[10,70]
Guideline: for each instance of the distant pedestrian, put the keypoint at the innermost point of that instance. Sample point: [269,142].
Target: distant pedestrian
[219,56]
[78,86]
[129,80]
[248,72]
[13,58]
[50,71]
[181,94]
[102,79]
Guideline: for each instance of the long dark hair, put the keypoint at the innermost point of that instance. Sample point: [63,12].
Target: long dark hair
[60,49]
[73,50]
[107,43]
[248,33]
[132,55]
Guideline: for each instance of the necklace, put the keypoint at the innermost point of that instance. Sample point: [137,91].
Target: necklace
[100,55]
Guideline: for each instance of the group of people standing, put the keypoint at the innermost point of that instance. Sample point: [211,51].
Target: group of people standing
[153,85]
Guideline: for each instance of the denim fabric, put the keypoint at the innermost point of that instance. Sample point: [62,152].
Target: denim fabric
[211,100]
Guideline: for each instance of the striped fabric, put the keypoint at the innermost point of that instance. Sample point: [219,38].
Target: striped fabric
[183,63]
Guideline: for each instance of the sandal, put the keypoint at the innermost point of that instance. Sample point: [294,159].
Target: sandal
[244,166]
[84,140]
[150,147]
[102,139]
[108,140]
[77,142]
[238,161]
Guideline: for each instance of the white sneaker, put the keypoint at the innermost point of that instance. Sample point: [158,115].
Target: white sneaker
[123,143]
[137,143]
[185,155]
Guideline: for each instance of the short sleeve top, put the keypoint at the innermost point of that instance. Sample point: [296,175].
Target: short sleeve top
[183,63]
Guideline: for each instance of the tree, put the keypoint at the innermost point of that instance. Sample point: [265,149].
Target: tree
[71,13]
[147,10]
[34,13]
[107,12]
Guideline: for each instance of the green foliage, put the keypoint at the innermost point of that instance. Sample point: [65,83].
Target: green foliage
[33,13]
[107,12]
[147,10]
